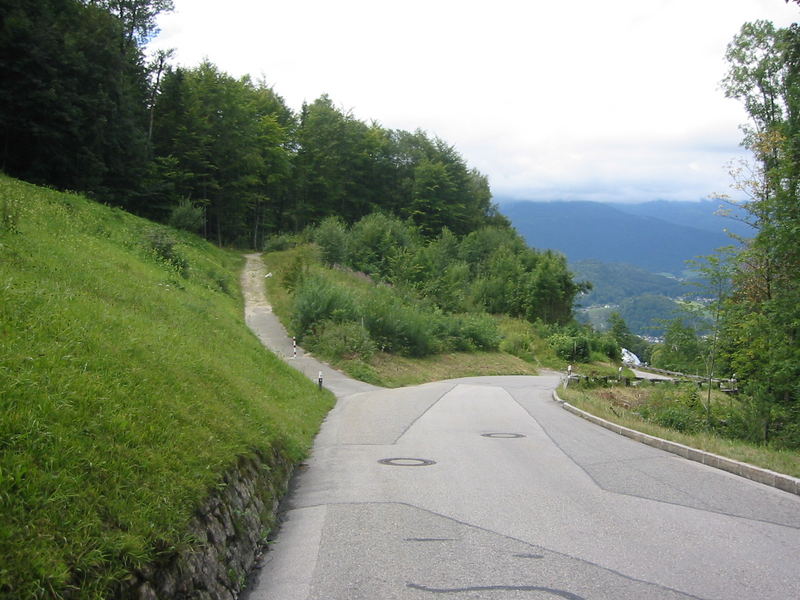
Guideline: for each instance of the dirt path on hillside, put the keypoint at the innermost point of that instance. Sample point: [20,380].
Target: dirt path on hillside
[252,282]
[263,322]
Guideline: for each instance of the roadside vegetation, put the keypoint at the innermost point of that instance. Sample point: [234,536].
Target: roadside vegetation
[393,307]
[729,426]
[747,326]
[129,384]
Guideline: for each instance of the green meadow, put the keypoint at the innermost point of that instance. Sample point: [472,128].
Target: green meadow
[129,384]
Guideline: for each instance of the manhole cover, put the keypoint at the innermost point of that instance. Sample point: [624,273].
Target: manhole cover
[407,462]
[503,435]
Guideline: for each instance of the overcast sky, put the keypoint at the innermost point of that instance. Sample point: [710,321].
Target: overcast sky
[552,99]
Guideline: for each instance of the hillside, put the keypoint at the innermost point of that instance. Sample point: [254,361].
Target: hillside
[698,215]
[590,230]
[614,282]
[129,385]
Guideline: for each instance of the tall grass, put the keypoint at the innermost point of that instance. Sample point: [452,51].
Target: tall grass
[677,414]
[128,385]
[396,322]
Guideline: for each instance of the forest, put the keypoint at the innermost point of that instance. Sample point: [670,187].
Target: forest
[83,108]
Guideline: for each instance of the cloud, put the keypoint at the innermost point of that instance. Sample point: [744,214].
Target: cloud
[561,98]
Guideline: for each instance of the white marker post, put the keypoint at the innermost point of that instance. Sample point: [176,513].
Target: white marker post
[320,380]
[294,347]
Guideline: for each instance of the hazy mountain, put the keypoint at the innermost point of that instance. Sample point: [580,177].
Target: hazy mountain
[614,282]
[699,215]
[604,232]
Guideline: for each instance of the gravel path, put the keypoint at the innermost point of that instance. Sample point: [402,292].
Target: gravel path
[263,322]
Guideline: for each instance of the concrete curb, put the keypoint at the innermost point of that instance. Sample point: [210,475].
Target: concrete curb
[783,482]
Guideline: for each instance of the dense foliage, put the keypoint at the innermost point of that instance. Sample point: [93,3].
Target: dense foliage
[80,108]
[753,289]
[750,318]
[73,100]
[488,270]
[760,318]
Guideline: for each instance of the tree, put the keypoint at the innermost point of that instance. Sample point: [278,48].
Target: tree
[72,104]
[681,349]
[762,336]
[224,143]
[138,17]
[331,166]
[620,332]
[716,273]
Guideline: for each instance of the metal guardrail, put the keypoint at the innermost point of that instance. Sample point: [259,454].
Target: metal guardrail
[724,385]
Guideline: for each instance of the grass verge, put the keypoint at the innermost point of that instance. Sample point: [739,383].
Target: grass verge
[610,404]
[128,383]
[392,371]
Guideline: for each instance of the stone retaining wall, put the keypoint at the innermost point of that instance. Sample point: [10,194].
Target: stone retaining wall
[229,530]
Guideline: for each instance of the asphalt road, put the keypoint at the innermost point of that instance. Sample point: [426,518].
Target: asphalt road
[492,490]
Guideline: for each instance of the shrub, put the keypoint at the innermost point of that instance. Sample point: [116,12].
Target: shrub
[569,347]
[316,300]
[186,216]
[398,327]
[331,237]
[680,409]
[348,340]
[520,345]
[376,238]
[606,345]
[162,245]
[468,332]
[278,243]
[677,417]
[295,273]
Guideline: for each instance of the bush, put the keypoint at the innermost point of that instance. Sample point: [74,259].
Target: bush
[467,333]
[162,246]
[570,347]
[677,417]
[279,243]
[398,327]
[348,340]
[186,216]
[331,237]
[295,272]
[375,239]
[680,410]
[316,300]
[519,345]
[606,345]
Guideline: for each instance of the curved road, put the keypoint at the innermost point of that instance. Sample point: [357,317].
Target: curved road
[509,496]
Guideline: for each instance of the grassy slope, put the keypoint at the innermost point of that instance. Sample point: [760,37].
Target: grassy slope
[126,389]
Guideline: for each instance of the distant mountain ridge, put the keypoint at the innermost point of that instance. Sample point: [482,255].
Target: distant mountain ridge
[703,214]
[616,233]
